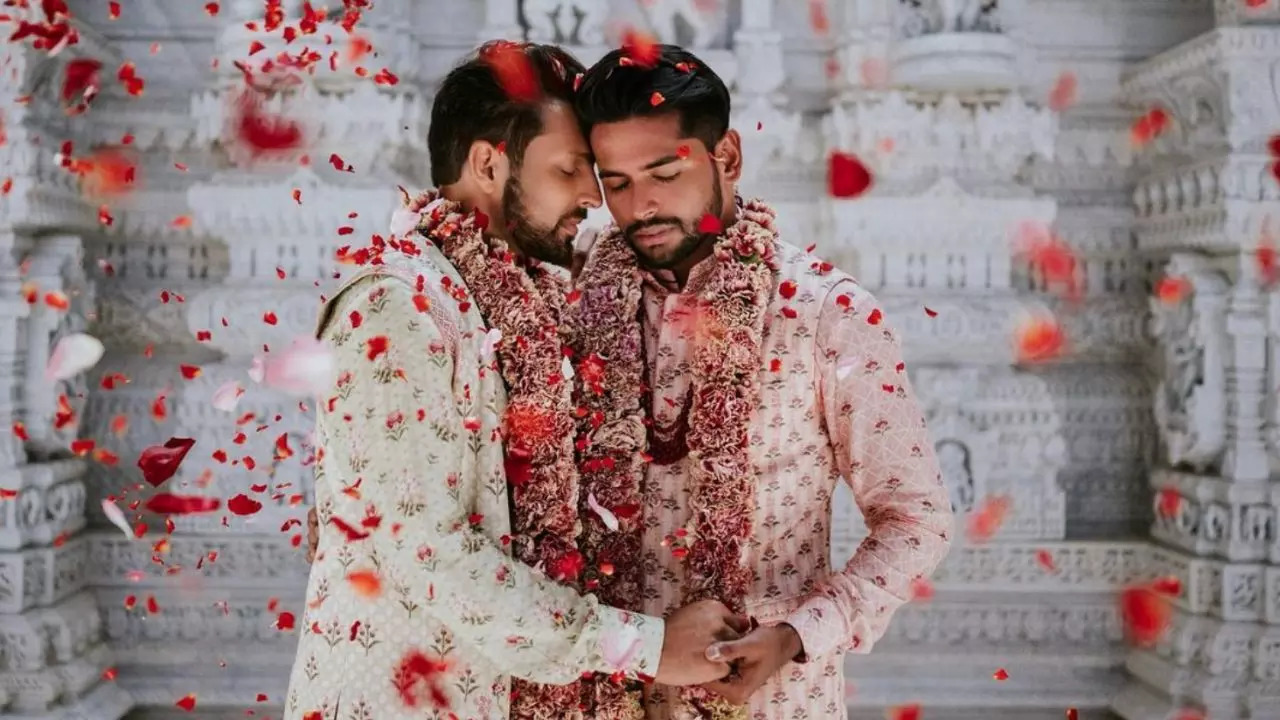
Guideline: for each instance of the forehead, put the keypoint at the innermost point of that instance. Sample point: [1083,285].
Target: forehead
[636,140]
[560,131]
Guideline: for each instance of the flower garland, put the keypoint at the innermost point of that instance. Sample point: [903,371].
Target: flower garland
[611,439]
[539,421]
[725,391]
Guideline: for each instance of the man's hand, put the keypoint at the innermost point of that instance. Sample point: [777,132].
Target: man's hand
[689,632]
[756,657]
[313,534]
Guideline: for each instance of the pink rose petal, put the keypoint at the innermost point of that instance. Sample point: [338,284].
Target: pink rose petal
[73,354]
[403,222]
[306,367]
[227,396]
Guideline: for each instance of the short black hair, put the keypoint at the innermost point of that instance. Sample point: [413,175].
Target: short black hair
[496,95]
[621,86]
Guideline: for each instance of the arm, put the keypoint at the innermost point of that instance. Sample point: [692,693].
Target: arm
[394,422]
[884,452]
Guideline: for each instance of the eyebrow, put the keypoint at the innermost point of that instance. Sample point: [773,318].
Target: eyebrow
[665,160]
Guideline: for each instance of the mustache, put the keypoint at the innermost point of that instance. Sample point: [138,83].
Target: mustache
[639,225]
[579,214]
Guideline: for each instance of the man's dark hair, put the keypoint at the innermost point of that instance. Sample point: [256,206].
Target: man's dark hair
[496,95]
[621,87]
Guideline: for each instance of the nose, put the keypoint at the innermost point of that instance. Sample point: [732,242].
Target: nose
[590,197]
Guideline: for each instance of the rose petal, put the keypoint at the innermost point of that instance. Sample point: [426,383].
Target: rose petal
[566,368]
[243,505]
[116,516]
[73,354]
[305,368]
[489,344]
[365,583]
[227,396]
[606,516]
[404,222]
[169,504]
[159,462]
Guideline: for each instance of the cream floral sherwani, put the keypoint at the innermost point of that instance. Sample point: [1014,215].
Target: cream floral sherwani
[410,489]
[835,402]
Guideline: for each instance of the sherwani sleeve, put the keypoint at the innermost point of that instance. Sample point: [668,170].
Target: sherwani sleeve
[882,448]
[409,455]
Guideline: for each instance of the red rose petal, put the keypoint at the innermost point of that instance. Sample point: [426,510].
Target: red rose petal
[1146,614]
[513,70]
[376,346]
[187,703]
[365,583]
[167,504]
[787,289]
[160,462]
[847,177]
[656,99]
[640,48]
[243,505]
[1063,94]
[710,225]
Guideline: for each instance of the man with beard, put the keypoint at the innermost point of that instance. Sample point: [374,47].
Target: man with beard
[769,375]
[453,379]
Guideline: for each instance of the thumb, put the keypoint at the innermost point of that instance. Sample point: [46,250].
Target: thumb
[728,650]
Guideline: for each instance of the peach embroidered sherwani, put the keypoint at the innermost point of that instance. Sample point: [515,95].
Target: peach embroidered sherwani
[410,455]
[835,403]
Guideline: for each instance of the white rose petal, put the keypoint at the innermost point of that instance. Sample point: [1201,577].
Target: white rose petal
[403,222]
[566,368]
[489,344]
[116,517]
[73,354]
[606,515]
[226,397]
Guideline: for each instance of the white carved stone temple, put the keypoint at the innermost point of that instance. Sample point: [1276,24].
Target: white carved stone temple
[946,101]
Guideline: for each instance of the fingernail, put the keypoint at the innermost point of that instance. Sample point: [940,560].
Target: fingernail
[713,652]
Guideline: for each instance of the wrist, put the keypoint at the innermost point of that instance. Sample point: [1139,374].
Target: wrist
[789,637]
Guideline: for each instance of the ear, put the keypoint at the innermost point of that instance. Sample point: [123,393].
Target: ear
[487,166]
[728,155]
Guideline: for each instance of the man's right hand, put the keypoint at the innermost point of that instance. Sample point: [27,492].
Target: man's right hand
[689,631]
[313,534]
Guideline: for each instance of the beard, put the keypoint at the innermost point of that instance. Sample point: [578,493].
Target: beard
[534,240]
[688,244]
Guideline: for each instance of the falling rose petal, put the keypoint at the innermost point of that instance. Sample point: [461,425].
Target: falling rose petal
[1148,127]
[566,368]
[1038,338]
[73,354]
[404,222]
[847,177]
[305,368]
[261,133]
[818,19]
[1171,290]
[904,712]
[513,70]
[211,9]
[169,504]
[80,80]
[710,225]
[365,583]
[1146,614]
[489,344]
[640,48]
[116,516]
[285,621]
[874,72]
[160,462]
[987,519]
[1000,674]
[1045,560]
[656,99]
[1169,501]
[619,648]
[921,589]
[187,703]
[227,396]
[606,516]
[243,505]
[1063,94]
[1168,585]
[418,675]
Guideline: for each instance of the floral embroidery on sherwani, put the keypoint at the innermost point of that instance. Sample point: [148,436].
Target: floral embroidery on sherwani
[835,403]
[410,486]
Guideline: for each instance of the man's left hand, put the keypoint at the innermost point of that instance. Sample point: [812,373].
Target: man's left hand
[757,656]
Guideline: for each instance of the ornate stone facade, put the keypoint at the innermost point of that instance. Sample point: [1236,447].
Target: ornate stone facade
[944,100]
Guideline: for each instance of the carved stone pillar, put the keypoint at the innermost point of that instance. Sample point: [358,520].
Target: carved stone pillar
[1215,501]
[54,662]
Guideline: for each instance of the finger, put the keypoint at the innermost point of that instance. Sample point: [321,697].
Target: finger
[730,650]
[742,624]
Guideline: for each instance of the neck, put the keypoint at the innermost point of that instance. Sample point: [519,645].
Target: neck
[470,200]
[685,266]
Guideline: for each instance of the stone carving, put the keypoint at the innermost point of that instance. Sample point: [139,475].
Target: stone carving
[54,409]
[698,15]
[1190,400]
[565,22]
[927,17]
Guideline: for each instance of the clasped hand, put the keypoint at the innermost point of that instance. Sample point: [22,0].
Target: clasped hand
[728,654]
